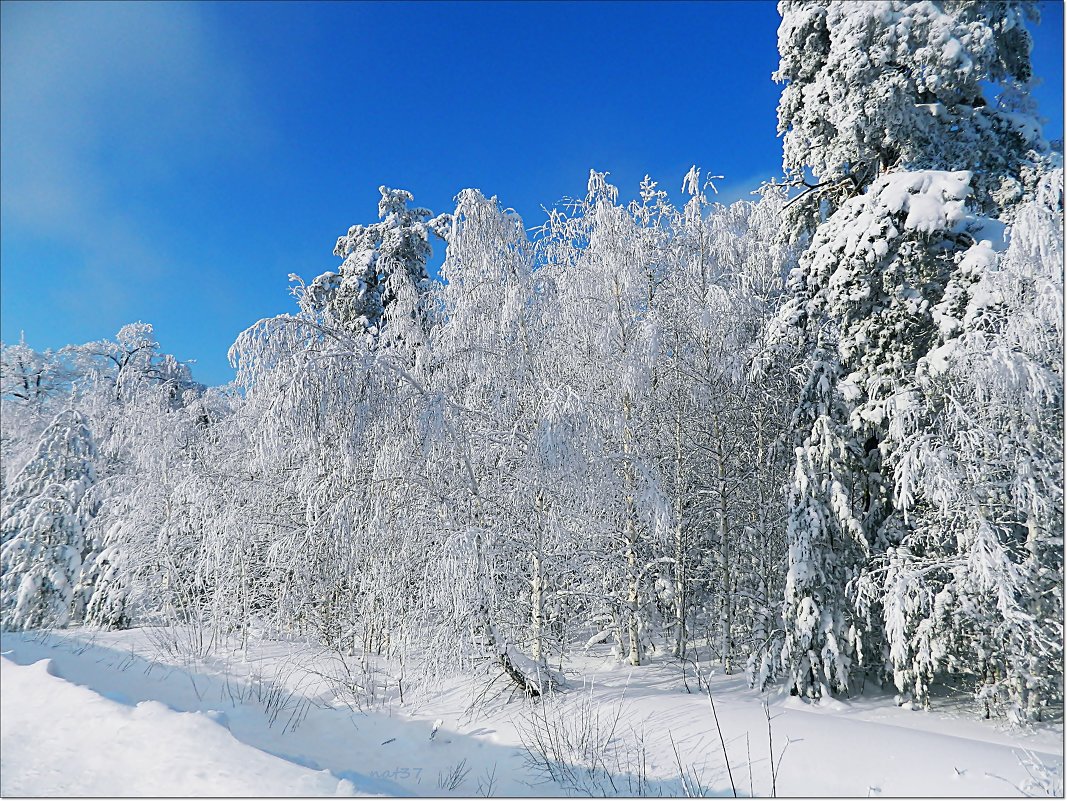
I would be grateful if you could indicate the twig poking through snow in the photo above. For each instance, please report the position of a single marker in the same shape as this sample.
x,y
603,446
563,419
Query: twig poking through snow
x,y
722,739
770,750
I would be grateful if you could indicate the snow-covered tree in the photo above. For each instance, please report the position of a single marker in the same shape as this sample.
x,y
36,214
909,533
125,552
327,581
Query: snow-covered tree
x,y
877,87
29,377
382,282
137,401
333,425
32,383
978,475
884,106
717,427
123,367
133,564
870,280
604,274
42,528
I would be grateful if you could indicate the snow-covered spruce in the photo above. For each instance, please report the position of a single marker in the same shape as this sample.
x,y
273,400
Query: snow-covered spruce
x,y
917,189
42,531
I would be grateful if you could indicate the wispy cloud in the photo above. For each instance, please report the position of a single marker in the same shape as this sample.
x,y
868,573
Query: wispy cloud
x,y
105,105
732,189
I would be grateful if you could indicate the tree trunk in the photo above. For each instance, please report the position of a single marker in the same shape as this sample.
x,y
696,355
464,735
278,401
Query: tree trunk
x,y
724,551
679,544
537,583
530,686
536,614
630,536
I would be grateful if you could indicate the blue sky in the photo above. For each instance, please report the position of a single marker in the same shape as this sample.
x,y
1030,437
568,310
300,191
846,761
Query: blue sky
x,y
173,163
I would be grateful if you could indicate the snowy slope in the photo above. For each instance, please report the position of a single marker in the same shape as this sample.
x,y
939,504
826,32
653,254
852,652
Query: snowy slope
x,y
110,714
61,739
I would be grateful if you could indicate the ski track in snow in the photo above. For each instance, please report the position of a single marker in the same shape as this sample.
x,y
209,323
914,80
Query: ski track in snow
x,y
99,714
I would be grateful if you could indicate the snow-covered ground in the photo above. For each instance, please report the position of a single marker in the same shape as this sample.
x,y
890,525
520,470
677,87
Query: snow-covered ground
x,y
101,714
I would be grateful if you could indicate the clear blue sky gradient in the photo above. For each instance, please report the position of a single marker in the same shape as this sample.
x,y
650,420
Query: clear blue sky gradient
x,y
173,163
